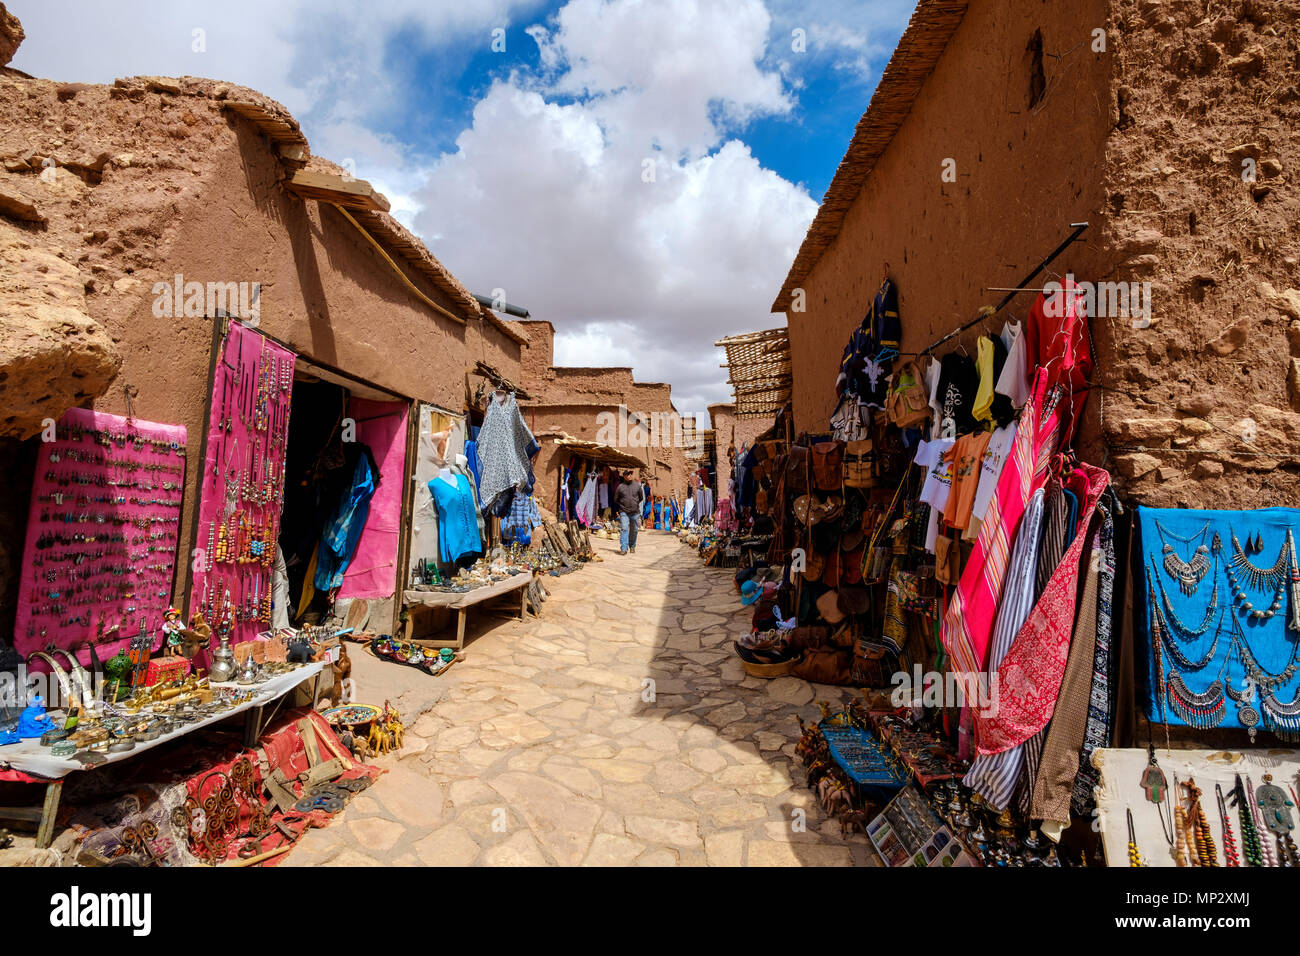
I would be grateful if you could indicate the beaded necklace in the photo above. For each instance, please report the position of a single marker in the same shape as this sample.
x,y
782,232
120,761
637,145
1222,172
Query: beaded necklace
x,y
1188,574
1229,843
1134,857
1200,826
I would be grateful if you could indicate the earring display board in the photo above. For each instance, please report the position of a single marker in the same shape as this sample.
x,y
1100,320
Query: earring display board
x,y
1219,599
1126,773
101,535
243,484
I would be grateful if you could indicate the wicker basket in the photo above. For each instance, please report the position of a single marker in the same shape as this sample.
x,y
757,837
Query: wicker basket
x,y
769,671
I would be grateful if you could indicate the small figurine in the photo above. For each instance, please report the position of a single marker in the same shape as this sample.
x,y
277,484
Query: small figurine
x,y
173,632
341,692
196,637
34,722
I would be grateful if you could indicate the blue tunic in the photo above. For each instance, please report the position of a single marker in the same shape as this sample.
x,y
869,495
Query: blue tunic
x,y
457,523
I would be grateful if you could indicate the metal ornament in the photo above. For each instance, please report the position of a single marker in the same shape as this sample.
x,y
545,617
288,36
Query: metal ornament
x,y
1276,808
1247,714
1154,783
1188,574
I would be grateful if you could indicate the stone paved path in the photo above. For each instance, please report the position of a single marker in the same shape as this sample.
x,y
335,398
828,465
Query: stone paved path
x,y
542,750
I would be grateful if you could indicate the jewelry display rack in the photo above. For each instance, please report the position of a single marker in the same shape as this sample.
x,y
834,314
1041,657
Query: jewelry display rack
x,y
101,535
242,484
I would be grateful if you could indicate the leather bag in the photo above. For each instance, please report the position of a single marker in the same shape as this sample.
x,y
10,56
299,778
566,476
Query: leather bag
x,y
825,667
909,405
796,470
827,465
947,560
859,464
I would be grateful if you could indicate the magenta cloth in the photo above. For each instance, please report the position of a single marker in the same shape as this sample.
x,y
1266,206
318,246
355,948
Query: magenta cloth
x,y
237,453
38,624
373,571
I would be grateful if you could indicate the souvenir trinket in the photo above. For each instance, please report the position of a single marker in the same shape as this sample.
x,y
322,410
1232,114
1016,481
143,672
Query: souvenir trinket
x,y
1188,574
1276,807
1134,857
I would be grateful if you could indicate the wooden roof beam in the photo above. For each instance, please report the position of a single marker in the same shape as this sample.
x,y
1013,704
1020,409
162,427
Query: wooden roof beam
x,y
326,187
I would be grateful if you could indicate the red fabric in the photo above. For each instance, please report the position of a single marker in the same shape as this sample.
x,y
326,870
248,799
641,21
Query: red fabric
x,y
285,750
17,776
1057,339
1029,678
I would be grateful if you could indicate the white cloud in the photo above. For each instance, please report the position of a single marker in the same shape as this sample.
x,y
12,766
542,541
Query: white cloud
x,y
852,37
544,196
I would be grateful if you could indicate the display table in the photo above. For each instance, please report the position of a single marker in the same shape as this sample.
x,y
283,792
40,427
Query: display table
x,y
29,762
461,602
1121,790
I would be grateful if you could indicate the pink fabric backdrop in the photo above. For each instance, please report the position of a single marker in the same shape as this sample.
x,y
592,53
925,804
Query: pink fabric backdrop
x,y
34,589
373,571
232,450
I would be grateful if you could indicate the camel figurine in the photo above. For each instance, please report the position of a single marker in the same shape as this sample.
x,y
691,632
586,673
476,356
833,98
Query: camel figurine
x,y
393,725
379,741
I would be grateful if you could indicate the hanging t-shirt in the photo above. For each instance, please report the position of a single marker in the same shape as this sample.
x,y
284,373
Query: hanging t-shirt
x,y
932,374
957,384
1013,382
930,455
991,358
965,455
995,456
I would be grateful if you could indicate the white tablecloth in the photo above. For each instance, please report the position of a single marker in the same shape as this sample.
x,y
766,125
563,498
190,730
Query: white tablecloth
x,y
30,757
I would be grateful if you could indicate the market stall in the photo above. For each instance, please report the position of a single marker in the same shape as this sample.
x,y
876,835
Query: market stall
x,y
945,547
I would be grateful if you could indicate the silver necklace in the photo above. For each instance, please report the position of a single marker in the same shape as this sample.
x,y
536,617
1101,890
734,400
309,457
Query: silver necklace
x,y
1185,632
1188,574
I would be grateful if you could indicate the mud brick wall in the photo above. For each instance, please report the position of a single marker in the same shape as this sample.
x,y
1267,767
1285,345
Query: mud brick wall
x,y
1201,201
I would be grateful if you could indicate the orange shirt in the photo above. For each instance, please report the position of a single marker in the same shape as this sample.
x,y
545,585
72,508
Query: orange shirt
x,y
966,454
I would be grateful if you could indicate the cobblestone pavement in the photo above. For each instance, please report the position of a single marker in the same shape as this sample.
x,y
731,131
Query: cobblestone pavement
x,y
542,749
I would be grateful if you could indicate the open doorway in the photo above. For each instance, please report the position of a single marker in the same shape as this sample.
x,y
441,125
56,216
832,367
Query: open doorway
x,y
330,478
344,497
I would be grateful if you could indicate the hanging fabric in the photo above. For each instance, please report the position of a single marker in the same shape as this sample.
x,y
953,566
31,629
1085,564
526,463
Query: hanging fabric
x,y
1029,679
502,446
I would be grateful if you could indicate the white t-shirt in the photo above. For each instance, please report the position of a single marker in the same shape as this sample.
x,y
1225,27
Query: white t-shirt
x,y
995,457
1013,382
938,477
932,385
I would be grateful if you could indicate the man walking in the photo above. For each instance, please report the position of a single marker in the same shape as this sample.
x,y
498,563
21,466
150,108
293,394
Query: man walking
x,y
628,499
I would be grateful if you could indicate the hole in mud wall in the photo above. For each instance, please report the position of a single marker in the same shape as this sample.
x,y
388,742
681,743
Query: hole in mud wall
x,y
1037,78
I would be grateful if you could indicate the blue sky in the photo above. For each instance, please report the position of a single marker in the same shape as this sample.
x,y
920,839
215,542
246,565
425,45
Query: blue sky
x,y
526,169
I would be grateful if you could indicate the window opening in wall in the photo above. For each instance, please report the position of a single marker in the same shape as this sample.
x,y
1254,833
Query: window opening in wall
x,y
1037,78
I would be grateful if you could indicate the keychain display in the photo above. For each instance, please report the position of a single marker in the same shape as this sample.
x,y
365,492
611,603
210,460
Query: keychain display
x,y
102,534
243,482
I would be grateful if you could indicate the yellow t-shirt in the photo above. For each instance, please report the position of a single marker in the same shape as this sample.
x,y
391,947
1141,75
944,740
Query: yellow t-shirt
x,y
983,407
